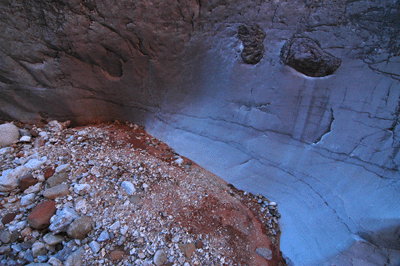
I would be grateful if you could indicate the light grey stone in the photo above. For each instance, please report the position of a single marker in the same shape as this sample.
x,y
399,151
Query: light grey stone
x,y
25,139
5,236
75,259
160,257
57,179
104,236
56,191
79,228
38,248
63,168
28,199
264,252
128,187
95,246
35,164
52,239
8,134
62,219
55,262
9,178
81,189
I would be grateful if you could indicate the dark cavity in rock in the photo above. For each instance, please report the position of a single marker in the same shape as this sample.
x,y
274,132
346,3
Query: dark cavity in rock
x,y
252,37
306,56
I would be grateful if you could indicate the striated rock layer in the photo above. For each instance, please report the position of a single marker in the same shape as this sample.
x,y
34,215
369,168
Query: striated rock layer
x,y
326,148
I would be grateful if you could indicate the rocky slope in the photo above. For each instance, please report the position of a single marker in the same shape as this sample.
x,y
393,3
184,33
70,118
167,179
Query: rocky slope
x,y
111,194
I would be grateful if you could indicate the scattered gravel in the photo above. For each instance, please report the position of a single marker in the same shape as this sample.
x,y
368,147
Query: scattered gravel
x,y
117,196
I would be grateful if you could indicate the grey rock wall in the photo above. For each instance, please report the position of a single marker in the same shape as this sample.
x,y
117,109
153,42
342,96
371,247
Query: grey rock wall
x,y
326,149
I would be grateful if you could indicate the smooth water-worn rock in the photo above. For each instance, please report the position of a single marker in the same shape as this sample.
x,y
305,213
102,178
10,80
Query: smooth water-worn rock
x,y
324,148
8,134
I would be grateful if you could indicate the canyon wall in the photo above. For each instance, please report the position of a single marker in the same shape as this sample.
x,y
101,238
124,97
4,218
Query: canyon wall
x,y
210,79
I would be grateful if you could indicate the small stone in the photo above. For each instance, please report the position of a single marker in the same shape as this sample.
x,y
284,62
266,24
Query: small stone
x,y
80,205
62,219
38,264
27,199
25,139
35,164
38,248
104,236
264,252
94,246
55,262
57,179
75,259
8,218
42,258
9,178
116,255
18,226
63,168
40,216
141,255
33,189
124,229
79,228
129,187
56,191
52,239
5,236
187,249
95,171
81,189
49,172
5,249
199,244
8,134
115,226
160,257
26,181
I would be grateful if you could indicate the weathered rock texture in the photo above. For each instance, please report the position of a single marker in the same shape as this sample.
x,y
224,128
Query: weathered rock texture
x,y
306,56
326,149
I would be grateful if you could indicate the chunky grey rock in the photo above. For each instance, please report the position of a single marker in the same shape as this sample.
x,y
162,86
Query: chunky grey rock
x,y
94,246
57,179
306,56
75,259
63,218
28,199
35,164
52,239
128,187
9,178
264,252
5,236
79,228
160,257
38,248
104,236
56,191
8,134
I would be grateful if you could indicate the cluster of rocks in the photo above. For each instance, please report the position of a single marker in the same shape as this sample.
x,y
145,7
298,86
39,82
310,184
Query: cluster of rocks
x,y
89,196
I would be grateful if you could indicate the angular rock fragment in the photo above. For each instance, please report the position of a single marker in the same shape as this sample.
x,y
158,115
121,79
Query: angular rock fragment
x,y
27,181
306,56
79,228
252,37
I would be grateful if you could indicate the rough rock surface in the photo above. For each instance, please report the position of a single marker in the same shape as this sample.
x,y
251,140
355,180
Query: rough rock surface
x,y
306,56
326,149
175,214
252,37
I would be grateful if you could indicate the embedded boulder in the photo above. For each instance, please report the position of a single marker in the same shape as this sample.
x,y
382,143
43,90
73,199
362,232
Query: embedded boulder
x,y
252,37
306,56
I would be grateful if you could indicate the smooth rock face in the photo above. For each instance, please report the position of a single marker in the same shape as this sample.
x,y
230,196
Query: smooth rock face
x,y
8,134
306,56
325,149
